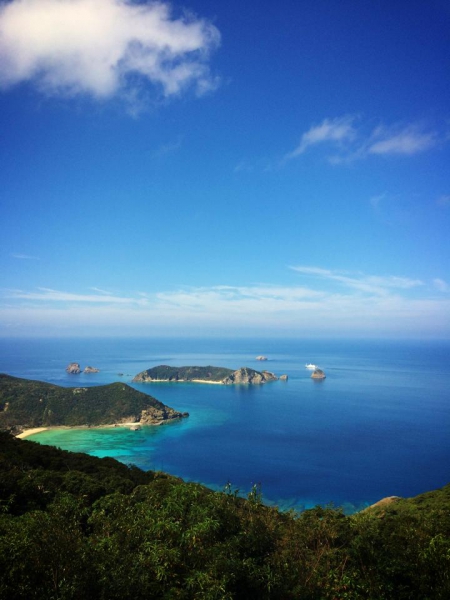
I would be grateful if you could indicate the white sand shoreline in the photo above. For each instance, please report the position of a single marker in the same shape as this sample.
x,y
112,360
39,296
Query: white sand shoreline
x,y
27,432
35,430
181,381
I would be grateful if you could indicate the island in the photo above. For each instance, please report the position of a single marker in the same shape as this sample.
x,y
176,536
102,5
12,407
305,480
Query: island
x,y
220,375
26,404
74,368
318,374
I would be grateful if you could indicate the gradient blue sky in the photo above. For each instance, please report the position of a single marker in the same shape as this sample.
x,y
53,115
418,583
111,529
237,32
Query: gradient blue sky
x,y
225,168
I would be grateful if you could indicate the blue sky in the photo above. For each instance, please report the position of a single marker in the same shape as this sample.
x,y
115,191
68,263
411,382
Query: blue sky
x,y
225,168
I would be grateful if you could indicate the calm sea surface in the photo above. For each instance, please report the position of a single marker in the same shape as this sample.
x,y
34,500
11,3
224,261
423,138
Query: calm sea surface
x,y
379,425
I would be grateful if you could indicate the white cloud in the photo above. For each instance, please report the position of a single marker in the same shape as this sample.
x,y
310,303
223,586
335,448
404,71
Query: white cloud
x,y
349,142
441,285
335,131
96,47
375,201
49,295
169,148
358,304
96,289
371,284
25,256
409,140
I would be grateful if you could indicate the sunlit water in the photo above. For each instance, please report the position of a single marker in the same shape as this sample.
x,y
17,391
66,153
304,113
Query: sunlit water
x,y
377,426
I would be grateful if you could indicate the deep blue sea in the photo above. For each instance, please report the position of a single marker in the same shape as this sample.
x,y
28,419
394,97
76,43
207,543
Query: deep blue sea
x,y
378,425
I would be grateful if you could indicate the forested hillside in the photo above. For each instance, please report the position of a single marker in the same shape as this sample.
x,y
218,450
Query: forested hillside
x,y
74,526
27,404
166,373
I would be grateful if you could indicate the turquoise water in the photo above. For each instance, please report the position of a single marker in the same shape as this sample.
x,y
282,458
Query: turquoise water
x,y
378,425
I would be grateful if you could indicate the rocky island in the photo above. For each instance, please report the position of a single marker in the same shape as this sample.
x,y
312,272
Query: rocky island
x,y
318,374
208,374
246,375
26,404
75,369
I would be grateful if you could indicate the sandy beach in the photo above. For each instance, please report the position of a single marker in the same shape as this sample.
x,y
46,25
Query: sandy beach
x,y
28,432
182,381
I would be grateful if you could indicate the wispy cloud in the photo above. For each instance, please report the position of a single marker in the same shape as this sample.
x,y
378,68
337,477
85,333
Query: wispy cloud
x,y
346,139
168,148
376,201
441,285
371,284
408,140
24,256
244,166
96,289
444,200
332,131
49,295
326,301
98,47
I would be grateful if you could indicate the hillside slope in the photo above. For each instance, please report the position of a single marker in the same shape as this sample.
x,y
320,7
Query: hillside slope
x,y
27,404
74,526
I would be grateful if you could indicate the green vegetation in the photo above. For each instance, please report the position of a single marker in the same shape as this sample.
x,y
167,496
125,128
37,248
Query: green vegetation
x,y
77,527
165,373
28,404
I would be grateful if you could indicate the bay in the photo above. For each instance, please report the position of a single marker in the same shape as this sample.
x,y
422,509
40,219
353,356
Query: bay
x,y
378,425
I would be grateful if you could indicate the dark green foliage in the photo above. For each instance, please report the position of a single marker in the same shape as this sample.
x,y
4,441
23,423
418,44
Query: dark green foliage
x,y
74,526
27,404
32,475
165,373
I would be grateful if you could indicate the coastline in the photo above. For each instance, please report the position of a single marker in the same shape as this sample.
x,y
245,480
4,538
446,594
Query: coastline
x,y
27,432
180,381
36,430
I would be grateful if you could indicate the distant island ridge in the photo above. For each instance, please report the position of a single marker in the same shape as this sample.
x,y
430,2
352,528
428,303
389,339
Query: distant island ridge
x,y
209,374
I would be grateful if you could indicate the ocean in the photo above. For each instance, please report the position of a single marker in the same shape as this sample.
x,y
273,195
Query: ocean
x,y
377,426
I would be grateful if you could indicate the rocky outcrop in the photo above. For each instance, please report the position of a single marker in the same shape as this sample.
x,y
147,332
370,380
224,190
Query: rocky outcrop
x,y
154,415
318,374
283,378
246,375
380,508
74,369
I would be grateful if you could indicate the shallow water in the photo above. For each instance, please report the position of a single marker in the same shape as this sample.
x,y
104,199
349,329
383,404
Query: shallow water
x,y
377,426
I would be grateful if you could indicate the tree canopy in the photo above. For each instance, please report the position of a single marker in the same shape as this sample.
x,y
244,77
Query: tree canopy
x,y
75,526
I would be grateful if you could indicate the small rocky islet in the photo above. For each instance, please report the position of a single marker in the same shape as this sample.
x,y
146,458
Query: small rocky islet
x,y
318,374
74,368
